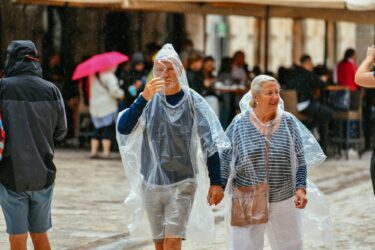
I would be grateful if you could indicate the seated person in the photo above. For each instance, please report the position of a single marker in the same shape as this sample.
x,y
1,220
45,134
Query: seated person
x,y
305,82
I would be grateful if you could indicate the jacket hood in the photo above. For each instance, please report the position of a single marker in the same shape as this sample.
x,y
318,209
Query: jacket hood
x,y
22,59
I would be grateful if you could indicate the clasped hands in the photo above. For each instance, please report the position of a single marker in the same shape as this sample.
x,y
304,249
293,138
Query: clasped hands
x,y
215,195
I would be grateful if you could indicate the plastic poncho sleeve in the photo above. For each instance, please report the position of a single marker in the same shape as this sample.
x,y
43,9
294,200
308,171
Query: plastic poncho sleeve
x,y
301,174
61,124
226,156
212,136
129,118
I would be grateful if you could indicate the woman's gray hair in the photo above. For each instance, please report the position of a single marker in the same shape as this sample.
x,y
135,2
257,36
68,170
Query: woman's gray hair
x,y
257,84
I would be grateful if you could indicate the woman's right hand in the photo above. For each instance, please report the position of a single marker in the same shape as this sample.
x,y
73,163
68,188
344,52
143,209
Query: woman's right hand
x,y
152,87
300,199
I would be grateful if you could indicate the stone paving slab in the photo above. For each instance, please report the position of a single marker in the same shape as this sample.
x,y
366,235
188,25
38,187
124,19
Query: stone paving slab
x,y
88,210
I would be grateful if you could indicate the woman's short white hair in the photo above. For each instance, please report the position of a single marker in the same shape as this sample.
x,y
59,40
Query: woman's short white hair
x,y
257,84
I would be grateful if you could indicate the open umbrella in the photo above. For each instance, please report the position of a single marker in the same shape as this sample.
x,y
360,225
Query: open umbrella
x,y
98,63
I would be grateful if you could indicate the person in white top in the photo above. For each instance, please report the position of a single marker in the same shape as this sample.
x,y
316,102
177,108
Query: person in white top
x,y
104,95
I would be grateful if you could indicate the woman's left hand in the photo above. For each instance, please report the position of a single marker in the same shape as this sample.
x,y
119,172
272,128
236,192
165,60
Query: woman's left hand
x,y
301,199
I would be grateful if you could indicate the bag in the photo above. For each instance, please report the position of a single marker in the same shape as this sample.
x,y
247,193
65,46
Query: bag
x,y
250,205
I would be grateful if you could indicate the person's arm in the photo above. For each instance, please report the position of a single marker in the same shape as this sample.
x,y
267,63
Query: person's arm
x,y
213,162
61,125
215,193
130,117
301,175
364,77
226,156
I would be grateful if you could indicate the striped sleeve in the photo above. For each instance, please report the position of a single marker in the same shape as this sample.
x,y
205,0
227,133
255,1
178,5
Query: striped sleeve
x,y
301,161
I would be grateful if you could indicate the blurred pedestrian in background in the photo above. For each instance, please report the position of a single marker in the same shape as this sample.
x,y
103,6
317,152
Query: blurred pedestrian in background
x,y
105,93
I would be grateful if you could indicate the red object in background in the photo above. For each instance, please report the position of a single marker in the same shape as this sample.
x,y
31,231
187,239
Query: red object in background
x,y
98,63
346,74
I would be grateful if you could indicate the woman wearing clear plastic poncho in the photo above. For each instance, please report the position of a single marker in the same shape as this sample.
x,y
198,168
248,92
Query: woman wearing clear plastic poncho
x,y
170,141
265,175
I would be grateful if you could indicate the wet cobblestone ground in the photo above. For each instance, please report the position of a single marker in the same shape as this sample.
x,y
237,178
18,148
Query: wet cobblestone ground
x,y
88,205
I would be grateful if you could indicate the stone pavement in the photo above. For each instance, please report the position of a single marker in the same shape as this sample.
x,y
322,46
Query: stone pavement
x,y
88,210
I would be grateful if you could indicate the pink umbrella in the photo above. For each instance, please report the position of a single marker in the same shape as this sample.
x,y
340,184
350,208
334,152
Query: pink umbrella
x,y
98,63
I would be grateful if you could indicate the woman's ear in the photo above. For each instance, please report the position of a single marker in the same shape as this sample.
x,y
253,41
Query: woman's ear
x,y
256,99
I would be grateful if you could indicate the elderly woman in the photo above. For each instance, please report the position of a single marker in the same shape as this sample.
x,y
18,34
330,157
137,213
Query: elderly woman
x,y
265,171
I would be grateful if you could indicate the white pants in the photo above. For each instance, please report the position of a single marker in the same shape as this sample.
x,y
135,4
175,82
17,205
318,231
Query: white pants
x,y
284,230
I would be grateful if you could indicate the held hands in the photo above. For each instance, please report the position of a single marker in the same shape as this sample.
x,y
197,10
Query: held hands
x,y
215,195
152,87
301,199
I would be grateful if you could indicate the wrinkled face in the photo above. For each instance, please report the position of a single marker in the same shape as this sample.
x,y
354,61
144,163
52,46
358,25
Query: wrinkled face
x,y
268,98
165,70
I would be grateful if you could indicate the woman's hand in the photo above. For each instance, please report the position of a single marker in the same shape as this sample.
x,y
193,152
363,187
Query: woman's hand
x,y
152,87
301,199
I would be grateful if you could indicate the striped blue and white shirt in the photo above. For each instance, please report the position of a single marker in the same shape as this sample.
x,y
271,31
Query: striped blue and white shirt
x,y
248,152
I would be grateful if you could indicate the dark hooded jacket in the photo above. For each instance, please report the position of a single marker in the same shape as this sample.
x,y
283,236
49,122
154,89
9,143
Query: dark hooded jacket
x,y
33,116
303,81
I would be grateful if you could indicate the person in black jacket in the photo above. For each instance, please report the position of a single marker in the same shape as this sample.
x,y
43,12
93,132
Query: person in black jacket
x,y
305,82
33,116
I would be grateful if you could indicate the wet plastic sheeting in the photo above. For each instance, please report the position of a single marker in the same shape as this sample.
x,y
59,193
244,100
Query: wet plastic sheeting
x,y
299,148
165,161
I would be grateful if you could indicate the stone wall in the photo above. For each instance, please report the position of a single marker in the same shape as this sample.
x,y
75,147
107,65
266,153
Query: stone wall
x,y
365,38
16,20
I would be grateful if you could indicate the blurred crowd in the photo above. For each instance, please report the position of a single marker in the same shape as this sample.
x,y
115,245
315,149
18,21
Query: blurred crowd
x,y
320,91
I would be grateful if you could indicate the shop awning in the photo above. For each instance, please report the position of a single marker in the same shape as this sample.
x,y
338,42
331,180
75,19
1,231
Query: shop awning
x,y
75,3
358,11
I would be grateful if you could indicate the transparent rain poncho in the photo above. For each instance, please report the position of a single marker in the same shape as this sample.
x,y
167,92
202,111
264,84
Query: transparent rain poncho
x,y
286,146
165,161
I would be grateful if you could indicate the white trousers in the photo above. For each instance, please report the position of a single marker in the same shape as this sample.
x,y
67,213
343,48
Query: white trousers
x,y
284,230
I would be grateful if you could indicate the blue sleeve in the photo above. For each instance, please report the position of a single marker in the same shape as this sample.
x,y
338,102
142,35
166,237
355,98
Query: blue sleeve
x,y
301,174
130,117
373,72
213,164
